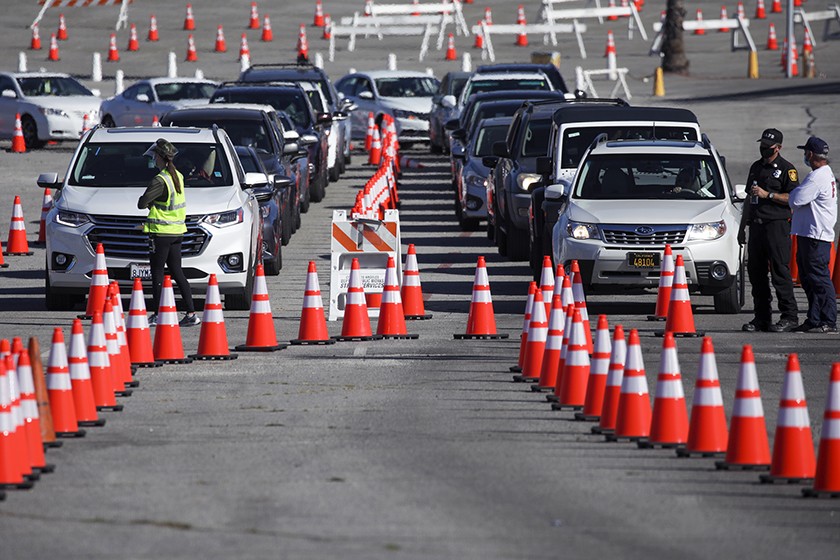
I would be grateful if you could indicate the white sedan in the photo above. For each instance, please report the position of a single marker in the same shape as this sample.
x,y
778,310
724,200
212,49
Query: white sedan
x,y
139,104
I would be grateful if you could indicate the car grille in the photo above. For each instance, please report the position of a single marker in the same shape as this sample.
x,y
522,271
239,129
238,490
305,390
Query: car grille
x,y
123,237
629,235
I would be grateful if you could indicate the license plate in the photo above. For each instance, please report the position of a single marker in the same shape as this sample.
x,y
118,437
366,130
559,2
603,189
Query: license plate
x,y
643,260
141,271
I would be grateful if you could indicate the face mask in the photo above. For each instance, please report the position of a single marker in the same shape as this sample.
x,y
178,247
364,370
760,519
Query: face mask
x,y
807,161
767,152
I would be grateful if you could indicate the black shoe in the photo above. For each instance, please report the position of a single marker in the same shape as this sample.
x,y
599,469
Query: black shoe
x,y
784,325
190,320
152,320
754,326
804,327
822,329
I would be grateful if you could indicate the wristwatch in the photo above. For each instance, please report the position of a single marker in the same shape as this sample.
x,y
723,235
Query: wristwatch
x,y
770,196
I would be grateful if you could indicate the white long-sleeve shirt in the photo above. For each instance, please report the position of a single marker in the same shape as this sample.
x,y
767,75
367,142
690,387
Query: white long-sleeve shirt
x,y
814,205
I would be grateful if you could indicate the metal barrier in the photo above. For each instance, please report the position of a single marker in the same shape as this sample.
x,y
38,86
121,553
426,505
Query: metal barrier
x,y
801,17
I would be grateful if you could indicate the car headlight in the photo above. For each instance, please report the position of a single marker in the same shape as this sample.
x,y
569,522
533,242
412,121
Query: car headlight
x,y
578,230
476,181
53,112
399,113
527,180
72,219
225,219
706,232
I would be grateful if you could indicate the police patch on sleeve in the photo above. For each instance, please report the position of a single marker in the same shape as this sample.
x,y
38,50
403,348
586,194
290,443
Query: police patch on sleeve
x,y
792,174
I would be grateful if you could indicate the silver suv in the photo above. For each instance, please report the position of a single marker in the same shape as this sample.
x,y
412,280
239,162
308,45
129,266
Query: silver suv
x,y
629,198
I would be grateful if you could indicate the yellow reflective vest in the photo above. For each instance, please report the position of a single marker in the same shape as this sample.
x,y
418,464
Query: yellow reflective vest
x,y
168,217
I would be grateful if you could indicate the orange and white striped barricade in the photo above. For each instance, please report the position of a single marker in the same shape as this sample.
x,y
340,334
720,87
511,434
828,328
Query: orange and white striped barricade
x,y
371,241
122,18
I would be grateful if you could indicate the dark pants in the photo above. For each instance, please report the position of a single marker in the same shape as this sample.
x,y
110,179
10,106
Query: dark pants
x,y
769,248
166,250
812,257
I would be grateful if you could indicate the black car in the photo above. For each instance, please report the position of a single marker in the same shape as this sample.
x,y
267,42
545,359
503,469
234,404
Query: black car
x,y
291,99
550,70
451,84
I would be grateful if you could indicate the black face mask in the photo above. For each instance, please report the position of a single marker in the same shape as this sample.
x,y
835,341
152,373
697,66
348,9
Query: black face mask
x,y
767,151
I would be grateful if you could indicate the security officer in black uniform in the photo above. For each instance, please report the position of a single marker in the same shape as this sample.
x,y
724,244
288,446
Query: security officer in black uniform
x,y
767,214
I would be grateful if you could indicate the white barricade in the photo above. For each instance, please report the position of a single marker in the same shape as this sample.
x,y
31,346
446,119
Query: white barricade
x,y
617,75
548,30
448,8
371,242
551,15
801,17
122,18
398,25
740,29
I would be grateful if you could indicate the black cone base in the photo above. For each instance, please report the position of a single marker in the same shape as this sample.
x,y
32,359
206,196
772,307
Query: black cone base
x,y
77,434
92,423
115,408
770,479
302,342
481,336
724,466
148,364
425,317
246,348
221,357
400,336
357,338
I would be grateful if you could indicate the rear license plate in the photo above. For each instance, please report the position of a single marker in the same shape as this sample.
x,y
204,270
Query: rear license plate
x,y
643,260
141,271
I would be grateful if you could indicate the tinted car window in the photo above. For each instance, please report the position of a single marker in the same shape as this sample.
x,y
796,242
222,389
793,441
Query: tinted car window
x,y
535,142
292,103
51,85
176,91
487,136
406,87
249,163
576,140
252,134
481,86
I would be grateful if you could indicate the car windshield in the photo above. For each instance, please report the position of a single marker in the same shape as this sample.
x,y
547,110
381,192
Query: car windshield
x,y
292,103
576,140
251,134
535,143
249,163
648,177
123,164
481,86
406,87
316,101
177,91
37,86
487,136
456,86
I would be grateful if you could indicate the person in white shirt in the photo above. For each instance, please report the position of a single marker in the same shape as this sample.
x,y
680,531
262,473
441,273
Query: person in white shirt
x,y
814,206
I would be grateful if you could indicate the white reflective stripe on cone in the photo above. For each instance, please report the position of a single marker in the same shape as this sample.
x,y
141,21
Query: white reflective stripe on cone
x,y
137,321
679,294
313,302
260,306
212,316
669,389
29,407
634,384
59,382
748,407
537,334
831,429
481,296
707,396
577,358
794,417
167,318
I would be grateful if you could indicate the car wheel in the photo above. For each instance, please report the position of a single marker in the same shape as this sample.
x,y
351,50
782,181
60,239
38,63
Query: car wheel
x,y
307,197
58,302
501,237
318,188
536,257
335,173
286,228
108,121
435,148
297,217
275,264
517,243
342,163
30,133
727,301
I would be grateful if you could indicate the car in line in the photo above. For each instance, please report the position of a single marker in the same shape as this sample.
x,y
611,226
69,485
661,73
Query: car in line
x,y
96,202
504,81
405,95
52,107
551,71
444,111
140,103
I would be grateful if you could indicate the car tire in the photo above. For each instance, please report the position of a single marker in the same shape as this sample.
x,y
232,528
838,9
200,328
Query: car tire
x,y
435,148
536,257
59,302
274,265
108,122
500,237
728,302
335,173
517,243
342,164
318,189
30,133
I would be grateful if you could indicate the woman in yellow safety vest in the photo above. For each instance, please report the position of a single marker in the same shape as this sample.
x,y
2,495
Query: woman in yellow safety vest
x,y
166,226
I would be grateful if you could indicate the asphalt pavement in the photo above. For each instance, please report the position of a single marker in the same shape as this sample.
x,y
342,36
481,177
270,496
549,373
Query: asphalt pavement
x,y
418,448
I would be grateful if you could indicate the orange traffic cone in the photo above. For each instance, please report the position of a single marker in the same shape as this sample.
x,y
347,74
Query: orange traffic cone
x,y
61,34
669,423
17,244
46,204
807,44
776,7
212,341
521,38
53,52
580,304
451,54
3,264
523,336
133,42
481,322
13,388
707,432
633,415
371,125
415,3
488,16
699,18
327,27
244,51
723,16
576,368
267,35
760,12
313,324
772,41
319,14
391,314
113,53
356,323
680,320
553,347
375,155
85,405
137,330
18,142
192,55
569,312
221,44
794,66
119,321
35,43
613,17
747,447
827,477
547,283
479,37
99,365
666,283
168,347
31,418
535,342
793,447
98,284
302,44
262,336
189,20
153,29
254,22
115,357
13,462
60,389
610,49
85,124
598,372
41,394
411,292
741,13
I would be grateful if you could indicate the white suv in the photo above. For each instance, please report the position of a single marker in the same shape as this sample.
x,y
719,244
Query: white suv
x,y
629,198
97,203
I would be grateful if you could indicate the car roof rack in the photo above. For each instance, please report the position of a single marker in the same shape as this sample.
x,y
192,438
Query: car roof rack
x,y
258,84
301,64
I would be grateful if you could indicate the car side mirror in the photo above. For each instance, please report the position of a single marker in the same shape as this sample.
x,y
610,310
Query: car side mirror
x,y
500,149
282,182
557,191
290,148
323,118
255,180
142,98
366,95
307,139
489,161
459,134
263,193
740,192
457,151
543,166
453,124
48,180
449,101
340,116
9,94
348,105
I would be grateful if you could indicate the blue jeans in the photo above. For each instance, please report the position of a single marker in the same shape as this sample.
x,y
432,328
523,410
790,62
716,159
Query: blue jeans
x,y
812,257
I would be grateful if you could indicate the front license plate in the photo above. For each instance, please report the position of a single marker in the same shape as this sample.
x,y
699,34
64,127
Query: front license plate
x,y
643,260
141,271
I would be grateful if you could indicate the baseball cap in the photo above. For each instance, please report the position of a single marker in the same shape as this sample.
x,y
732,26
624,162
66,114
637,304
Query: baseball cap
x,y
163,148
771,136
815,145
